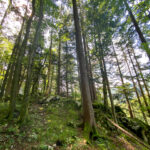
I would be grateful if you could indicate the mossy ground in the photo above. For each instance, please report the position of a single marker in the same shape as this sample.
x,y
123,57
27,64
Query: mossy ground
x,y
54,126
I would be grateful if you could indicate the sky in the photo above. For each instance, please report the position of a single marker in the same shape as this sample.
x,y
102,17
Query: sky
x,y
12,23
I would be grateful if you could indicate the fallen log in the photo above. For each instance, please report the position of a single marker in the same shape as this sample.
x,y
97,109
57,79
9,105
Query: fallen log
x,y
128,134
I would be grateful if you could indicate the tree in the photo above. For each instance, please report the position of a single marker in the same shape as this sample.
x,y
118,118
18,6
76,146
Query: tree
x,y
141,36
49,65
134,85
6,12
33,49
123,84
15,82
88,113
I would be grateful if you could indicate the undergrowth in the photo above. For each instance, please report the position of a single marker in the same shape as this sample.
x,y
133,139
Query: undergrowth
x,y
56,125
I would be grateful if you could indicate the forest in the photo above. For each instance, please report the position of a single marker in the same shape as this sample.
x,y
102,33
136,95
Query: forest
x,y
74,74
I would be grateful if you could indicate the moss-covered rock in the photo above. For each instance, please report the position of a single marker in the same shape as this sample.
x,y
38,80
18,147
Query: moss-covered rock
x,y
134,125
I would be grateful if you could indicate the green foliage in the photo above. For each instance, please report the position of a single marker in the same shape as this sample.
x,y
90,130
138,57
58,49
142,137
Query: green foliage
x,y
5,52
3,110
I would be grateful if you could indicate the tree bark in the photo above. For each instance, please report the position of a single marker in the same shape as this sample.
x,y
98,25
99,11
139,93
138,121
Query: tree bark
x,y
134,85
13,59
59,67
109,91
141,74
91,77
66,73
15,82
49,66
25,104
8,76
88,113
51,82
122,80
141,89
88,65
104,80
104,85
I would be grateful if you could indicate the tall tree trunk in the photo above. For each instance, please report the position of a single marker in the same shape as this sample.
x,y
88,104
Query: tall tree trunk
x,y
88,113
49,66
15,82
36,76
6,12
88,65
5,81
104,85
141,36
104,80
141,74
35,84
140,86
123,84
87,57
52,76
134,85
109,90
59,67
66,73
25,104
9,73
91,77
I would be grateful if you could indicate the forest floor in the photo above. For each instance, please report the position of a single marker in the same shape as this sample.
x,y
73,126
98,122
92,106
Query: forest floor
x,y
56,126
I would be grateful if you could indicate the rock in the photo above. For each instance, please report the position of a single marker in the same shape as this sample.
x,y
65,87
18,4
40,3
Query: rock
x,y
138,127
50,99
134,125
50,147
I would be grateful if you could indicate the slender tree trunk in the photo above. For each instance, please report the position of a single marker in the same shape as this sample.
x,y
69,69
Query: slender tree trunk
x,y
8,76
141,36
5,81
104,80
59,67
91,82
134,85
109,91
25,104
49,66
35,82
141,89
87,57
88,113
122,80
91,77
44,86
87,66
36,76
22,77
6,12
15,82
52,76
141,74
104,85
66,74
